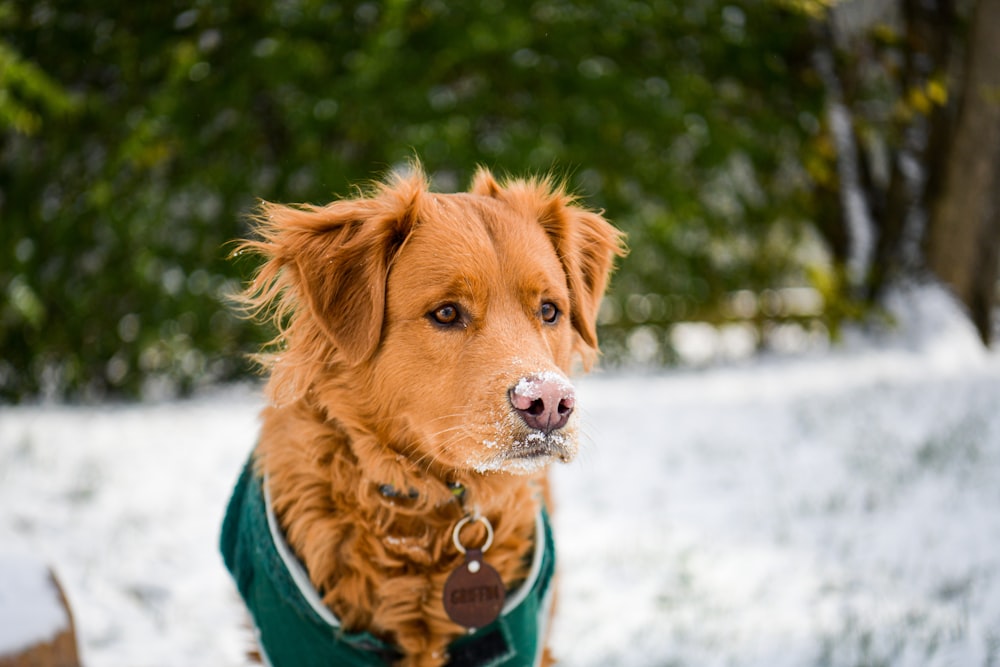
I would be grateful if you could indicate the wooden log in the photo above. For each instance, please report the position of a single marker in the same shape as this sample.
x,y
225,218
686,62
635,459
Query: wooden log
x,y
36,624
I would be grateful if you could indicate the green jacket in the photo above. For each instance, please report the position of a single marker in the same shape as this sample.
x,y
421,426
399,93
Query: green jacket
x,y
295,629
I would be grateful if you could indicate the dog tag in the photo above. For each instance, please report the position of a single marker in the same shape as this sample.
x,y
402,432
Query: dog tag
x,y
474,592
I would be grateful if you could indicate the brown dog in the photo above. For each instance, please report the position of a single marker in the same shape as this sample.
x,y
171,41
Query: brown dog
x,y
419,378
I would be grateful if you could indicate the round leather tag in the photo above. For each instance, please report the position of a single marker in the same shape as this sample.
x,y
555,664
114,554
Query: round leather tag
x,y
474,592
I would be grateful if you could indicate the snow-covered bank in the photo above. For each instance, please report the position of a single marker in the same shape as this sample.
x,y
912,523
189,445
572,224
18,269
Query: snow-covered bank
x,y
839,509
125,503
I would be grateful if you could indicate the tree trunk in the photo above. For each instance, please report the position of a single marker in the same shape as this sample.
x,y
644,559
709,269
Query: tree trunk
x,y
963,243
929,34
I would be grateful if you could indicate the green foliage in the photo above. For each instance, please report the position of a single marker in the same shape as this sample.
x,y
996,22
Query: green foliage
x,y
23,88
134,139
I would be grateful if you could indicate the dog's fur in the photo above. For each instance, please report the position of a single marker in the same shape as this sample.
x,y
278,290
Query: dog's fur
x,y
367,389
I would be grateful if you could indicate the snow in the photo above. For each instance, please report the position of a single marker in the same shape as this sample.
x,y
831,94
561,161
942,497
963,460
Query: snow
x,y
532,387
30,609
125,503
831,508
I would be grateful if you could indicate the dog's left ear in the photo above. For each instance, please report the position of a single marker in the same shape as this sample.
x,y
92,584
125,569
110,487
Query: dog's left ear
x,y
587,245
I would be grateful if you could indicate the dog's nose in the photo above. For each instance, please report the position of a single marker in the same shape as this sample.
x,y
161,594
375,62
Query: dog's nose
x,y
544,402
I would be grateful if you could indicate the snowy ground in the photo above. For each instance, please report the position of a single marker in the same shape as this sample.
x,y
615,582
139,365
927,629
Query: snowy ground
x,y
840,509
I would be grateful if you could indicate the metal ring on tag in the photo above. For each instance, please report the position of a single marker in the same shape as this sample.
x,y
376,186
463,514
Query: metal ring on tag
x,y
461,524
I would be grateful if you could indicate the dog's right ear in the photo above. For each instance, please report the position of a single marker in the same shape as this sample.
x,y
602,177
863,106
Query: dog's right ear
x,y
326,266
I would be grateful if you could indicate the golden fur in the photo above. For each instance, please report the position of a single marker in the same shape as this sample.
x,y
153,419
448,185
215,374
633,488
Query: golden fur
x,y
367,389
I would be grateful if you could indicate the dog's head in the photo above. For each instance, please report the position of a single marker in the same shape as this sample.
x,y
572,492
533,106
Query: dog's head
x,y
442,326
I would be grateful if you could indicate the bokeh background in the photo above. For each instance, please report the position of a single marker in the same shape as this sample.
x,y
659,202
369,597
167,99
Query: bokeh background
x,y
776,163
811,191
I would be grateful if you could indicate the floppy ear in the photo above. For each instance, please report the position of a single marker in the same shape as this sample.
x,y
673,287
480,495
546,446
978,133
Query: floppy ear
x,y
587,245
342,277
327,266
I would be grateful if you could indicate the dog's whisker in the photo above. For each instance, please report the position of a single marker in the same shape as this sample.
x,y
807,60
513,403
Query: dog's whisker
x,y
428,459
392,419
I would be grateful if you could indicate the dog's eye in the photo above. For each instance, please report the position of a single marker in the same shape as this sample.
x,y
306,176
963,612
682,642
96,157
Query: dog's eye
x,y
446,315
549,312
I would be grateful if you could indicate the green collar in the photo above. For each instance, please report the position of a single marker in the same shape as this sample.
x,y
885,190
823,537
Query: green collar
x,y
296,628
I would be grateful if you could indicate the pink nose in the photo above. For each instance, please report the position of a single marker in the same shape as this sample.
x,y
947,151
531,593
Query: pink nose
x,y
544,402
